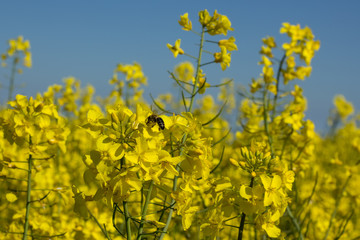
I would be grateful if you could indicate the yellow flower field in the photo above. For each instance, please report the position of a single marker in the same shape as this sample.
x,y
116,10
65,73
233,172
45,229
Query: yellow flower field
x,y
73,166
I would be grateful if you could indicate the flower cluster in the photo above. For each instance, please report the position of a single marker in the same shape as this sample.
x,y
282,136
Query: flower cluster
x,y
75,168
17,46
212,25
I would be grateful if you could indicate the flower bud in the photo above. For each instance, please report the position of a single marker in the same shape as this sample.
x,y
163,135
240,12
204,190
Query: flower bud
x,y
39,107
242,164
52,141
115,118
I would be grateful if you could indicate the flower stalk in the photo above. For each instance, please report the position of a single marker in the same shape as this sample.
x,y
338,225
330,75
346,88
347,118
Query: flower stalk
x,y
189,108
243,216
127,220
28,193
12,78
144,210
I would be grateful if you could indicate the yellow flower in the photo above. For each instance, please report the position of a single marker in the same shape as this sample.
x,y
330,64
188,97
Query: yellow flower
x,y
294,120
265,61
302,72
273,193
308,51
204,17
11,197
124,183
253,195
176,48
142,154
269,226
19,45
214,223
255,85
202,84
269,41
272,88
288,179
343,107
229,44
268,73
290,62
184,71
302,42
185,22
266,51
184,208
223,57
27,59
219,24
168,162
216,24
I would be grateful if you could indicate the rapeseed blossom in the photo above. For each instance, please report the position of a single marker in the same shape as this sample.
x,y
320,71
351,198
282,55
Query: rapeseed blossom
x,y
80,169
176,50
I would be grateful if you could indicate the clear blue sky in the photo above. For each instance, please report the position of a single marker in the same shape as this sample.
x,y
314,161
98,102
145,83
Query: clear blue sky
x,y
86,39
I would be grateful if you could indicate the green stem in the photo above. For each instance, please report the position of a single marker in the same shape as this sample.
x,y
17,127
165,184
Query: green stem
x,y
168,220
198,64
103,230
190,56
144,210
28,194
127,220
336,207
243,216
277,86
127,95
295,222
12,78
207,63
293,219
266,124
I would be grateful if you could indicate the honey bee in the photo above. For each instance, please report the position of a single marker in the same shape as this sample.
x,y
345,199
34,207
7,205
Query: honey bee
x,y
155,119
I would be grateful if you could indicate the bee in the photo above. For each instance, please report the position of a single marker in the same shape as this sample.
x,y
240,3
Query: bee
x,y
155,119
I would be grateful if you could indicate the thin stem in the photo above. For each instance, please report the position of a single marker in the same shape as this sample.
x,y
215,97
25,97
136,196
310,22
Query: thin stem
x,y
204,64
127,95
116,208
336,207
190,56
103,230
28,194
197,68
164,231
168,220
185,136
210,41
127,220
195,32
277,86
144,210
266,124
243,216
12,77
295,222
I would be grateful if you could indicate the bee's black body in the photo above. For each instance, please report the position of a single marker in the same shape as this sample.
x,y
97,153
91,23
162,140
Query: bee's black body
x,y
160,122
155,119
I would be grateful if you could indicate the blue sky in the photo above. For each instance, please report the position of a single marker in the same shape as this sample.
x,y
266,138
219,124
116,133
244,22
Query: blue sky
x,y
86,39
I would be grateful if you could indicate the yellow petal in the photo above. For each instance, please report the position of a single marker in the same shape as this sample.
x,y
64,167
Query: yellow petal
x,y
271,230
266,180
11,197
245,192
276,182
